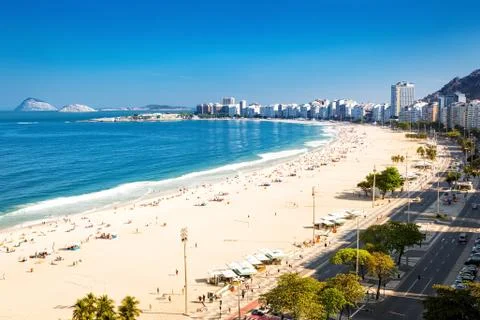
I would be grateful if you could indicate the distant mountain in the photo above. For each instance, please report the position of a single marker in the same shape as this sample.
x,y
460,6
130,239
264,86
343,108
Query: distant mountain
x,y
469,85
32,104
76,108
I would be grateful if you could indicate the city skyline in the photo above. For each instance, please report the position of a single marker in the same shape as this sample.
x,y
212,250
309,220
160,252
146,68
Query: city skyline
x,y
114,55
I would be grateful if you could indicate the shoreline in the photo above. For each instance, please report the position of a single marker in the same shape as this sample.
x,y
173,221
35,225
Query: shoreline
x,y
242,214
207,175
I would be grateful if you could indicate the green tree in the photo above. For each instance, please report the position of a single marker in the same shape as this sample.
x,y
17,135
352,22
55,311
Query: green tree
x,y
376,238
421,151
449,303
85,308
381,266
349,285
105,308
402,235
365,186
389,180
431,153
403,125
81,311
348,256
333,301
297,296
452,176
453,134
129,310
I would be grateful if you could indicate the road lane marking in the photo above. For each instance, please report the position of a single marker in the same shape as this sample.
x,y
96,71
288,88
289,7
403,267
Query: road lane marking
x,y
426,285
410,288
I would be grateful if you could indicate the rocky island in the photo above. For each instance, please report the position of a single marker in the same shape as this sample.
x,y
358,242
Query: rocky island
x,y
33,104
77,108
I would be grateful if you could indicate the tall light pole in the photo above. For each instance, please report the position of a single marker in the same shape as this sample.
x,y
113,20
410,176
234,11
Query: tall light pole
x,y
358,247
373,189
238,297
184,237
408,186
313,216
438,177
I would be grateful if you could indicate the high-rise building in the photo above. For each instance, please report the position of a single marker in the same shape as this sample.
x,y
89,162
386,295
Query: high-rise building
x,y
228,100
402,95
243,106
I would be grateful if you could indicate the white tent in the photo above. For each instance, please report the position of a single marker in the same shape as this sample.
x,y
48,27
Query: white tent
x,y
242,268
253,260
354,213
273,254
278,254
262,257
337,215
325,222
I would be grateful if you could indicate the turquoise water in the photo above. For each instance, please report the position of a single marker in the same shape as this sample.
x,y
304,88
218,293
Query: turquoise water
x,y
51,164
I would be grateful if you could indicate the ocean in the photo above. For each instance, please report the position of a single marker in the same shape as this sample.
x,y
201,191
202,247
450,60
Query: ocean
x,y
51,164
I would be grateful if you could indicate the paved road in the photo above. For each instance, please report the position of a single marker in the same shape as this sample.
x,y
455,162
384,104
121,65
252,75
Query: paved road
x,y
433,268
326,270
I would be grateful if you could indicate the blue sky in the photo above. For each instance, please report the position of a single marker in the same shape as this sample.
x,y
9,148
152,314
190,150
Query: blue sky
x,y
118,53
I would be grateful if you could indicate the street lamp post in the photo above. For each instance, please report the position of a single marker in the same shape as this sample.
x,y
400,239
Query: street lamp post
x,y
238,297
373,189
438,179
358,247
184,237
313,216
408,187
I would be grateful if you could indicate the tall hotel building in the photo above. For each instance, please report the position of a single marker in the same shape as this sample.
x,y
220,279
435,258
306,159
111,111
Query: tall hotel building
x,y
403,94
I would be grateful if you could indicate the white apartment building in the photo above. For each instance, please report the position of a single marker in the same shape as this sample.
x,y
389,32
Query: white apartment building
x,y
269,111
358,112
412,113
243,105
402,95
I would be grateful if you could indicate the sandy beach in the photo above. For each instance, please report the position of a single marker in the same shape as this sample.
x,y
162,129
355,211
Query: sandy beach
x,y
265,208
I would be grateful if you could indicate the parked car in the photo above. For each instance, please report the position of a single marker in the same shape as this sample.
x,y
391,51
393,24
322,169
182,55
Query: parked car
x,y
474,206
462,238
475,260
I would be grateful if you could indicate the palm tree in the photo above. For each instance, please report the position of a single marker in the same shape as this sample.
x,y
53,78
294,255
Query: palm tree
x,y
129,310
105,308
84,309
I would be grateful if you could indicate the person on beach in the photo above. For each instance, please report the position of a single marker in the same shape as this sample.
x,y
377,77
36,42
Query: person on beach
x,y
176,272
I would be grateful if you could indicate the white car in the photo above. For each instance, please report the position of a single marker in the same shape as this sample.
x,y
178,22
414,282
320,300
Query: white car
x,y
416,199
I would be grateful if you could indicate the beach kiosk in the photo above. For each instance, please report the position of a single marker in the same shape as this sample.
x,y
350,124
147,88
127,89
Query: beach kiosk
x,y
242,268
275,255
255,262
218,276
263,258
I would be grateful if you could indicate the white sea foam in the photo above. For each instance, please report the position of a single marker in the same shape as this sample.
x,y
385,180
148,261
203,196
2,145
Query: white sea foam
x,y
316,143
27,122
133,190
